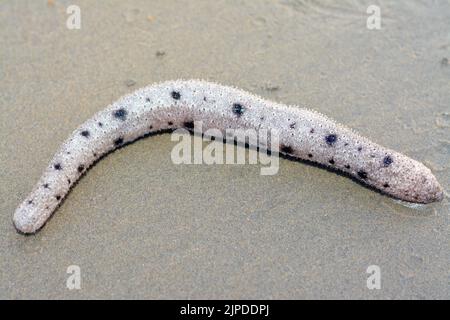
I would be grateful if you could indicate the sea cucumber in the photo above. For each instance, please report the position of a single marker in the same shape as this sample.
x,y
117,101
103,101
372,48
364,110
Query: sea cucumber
x,y
303,134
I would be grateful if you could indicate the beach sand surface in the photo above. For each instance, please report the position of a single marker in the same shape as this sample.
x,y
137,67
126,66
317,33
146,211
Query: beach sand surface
x,y
139,226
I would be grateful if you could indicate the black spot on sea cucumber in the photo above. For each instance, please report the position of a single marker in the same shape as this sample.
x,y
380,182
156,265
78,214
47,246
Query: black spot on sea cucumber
x,y
310,155
362,174
57,166
189,124
45,185
94,154
387,161
58,197
151,127
286,149
386,185
347,166
292,125
85,133
118,141
331,161
331,139
80,168
100,124
204,99
30,201
68,181
147,99
120,114
176,95
312,130
359,149
170,123
238,109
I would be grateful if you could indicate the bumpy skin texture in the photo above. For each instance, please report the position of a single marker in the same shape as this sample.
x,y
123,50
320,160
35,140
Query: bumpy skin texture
x,y
303,134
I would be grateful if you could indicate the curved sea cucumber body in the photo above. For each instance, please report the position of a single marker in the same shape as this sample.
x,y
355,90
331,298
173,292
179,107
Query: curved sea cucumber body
x,y
303,134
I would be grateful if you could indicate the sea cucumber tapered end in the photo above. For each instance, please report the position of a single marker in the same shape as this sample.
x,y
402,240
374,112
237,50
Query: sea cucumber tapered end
x,y
431,190
31,215
412,181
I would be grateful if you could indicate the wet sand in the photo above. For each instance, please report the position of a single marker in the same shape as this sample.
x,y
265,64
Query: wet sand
x,y
139,226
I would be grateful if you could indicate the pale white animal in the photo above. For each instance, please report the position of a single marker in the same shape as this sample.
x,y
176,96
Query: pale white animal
x,y
303,134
